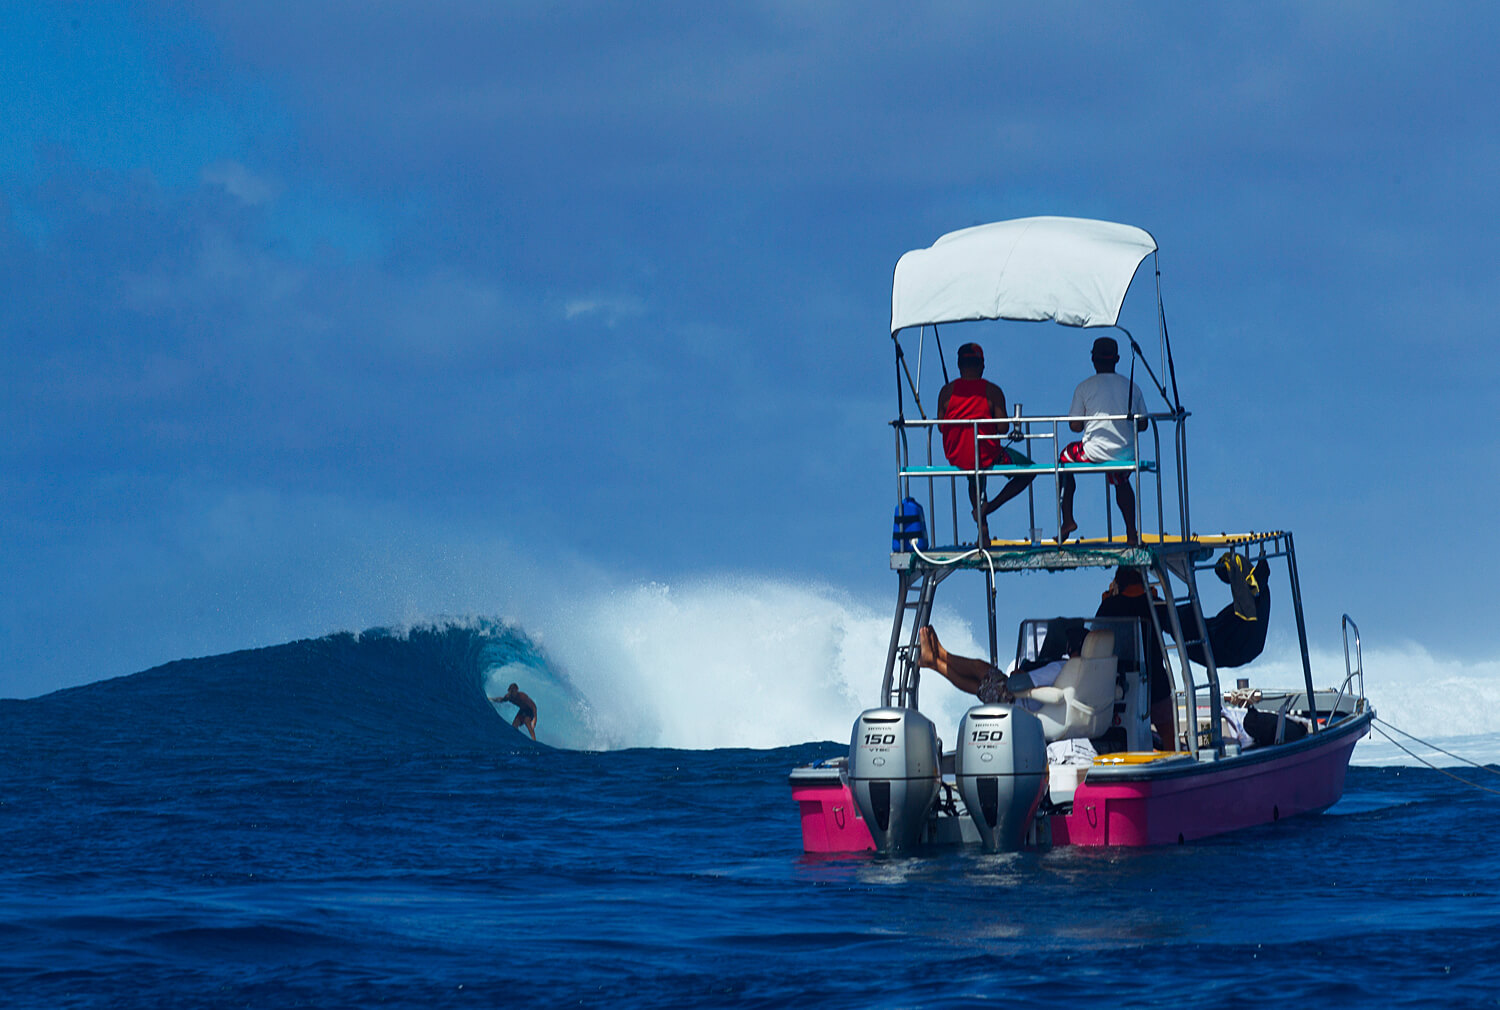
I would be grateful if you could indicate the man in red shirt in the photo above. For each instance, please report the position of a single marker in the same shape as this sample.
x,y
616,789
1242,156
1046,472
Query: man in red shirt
x,y
968,397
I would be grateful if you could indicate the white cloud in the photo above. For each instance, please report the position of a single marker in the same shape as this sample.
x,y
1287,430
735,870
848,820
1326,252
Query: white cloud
x,y
241,183
611,308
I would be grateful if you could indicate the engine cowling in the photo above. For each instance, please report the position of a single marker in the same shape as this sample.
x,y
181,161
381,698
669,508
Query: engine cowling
x,y
1000,768
894,773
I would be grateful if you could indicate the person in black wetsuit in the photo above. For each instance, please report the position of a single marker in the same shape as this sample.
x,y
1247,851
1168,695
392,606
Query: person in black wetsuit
x,y
527,708
1238,632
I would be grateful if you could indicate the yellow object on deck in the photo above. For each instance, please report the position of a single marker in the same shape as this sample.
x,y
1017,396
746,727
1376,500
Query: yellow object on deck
x,y
1137,757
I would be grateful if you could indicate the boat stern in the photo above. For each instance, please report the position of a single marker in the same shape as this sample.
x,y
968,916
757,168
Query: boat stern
x,y
831,821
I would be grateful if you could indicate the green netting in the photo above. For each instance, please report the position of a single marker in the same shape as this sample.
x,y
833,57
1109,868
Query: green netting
x,y
1043,557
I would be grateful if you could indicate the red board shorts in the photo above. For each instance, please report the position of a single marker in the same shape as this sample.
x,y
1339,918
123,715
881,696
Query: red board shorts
x,y
1074,454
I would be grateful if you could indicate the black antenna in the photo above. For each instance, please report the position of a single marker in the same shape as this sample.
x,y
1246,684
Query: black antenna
x,y
1166,341
901,369
900,394
1136,352
941,360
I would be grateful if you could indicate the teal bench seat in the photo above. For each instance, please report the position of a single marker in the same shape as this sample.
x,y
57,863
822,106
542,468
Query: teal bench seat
x,y
1145,465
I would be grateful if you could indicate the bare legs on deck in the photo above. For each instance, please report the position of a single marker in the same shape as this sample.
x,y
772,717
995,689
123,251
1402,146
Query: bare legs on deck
x,y
1124,498
1012,487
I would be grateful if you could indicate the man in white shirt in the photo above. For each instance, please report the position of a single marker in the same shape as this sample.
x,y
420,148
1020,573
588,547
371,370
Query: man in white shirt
x,y
1105,392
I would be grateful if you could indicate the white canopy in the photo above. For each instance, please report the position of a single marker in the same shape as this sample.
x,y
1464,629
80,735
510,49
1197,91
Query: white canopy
x,y
1035,268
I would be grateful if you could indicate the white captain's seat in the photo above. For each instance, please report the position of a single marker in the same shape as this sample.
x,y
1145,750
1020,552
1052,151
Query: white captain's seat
x,y
1081,702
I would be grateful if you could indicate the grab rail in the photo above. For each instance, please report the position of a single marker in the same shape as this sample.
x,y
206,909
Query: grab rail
x,y
1350,672
1019,431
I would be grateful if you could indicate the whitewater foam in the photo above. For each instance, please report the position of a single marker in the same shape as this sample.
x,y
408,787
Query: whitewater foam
x,y
739,661
735,662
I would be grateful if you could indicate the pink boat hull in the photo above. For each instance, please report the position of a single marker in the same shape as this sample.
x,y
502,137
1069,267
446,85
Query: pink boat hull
x,y
1146,806
831,820
1209,799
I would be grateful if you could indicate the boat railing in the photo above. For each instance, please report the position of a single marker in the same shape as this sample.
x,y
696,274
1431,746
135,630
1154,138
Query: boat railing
x,y
1357,670
922,470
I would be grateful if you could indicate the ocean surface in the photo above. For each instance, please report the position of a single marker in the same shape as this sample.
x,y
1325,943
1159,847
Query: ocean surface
x,y
348,822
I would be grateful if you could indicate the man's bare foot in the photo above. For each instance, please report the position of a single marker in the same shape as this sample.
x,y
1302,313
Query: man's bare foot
x,y
1067,529
933,652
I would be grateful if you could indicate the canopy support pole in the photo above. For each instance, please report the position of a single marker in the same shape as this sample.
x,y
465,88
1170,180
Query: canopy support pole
x,y
1291,565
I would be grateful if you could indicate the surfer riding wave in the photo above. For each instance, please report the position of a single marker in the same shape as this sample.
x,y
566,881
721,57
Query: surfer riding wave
x,y
526,708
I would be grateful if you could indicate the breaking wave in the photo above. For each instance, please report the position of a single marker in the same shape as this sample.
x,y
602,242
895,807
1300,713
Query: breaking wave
x,y
748,663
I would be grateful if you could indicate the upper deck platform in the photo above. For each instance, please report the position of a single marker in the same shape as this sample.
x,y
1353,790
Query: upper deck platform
x,y
1020,479
1099,552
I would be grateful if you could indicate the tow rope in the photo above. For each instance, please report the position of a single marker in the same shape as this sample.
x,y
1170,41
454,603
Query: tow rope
x,y
1429,764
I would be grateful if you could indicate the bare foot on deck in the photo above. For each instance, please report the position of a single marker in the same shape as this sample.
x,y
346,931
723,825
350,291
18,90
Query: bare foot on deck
x,y
1066,531
983,526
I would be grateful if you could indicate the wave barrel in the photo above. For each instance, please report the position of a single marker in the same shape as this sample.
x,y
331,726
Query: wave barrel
x,y
894,773
1001,772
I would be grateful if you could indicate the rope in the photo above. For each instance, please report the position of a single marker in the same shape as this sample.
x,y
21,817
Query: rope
x,y
932,560
1099,555
1429,764
1424,743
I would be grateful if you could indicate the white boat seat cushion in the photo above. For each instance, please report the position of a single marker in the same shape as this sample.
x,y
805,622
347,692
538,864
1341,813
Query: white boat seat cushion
x,y
1080,704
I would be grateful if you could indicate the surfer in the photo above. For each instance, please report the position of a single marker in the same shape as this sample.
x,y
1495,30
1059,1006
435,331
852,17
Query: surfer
x,y
526,714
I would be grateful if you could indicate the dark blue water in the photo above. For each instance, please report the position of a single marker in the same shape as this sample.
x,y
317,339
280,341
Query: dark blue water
x,y
347,822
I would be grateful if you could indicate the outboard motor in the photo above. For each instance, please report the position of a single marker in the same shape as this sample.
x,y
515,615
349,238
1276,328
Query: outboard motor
x,y
1001,771
894,774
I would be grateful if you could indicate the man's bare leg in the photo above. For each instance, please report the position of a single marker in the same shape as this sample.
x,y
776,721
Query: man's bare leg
x,y
521,720
980,511
1069,485
964,672
1125,498
1012,487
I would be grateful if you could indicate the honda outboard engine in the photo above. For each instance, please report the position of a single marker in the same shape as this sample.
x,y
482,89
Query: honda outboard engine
x,y
1001,771
894,774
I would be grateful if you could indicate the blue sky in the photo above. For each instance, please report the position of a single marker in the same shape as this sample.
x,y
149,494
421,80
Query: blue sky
x,y
347,314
